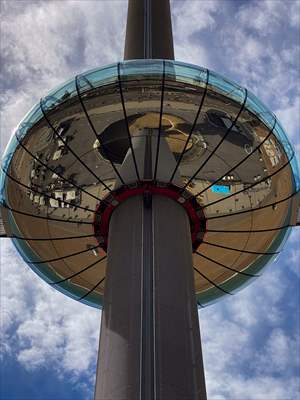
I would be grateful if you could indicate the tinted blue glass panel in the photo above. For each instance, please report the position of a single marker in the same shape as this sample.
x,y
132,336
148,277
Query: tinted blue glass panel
x,y
99,77
220,189
226,87
34,115
295,168
60,94
140,68
186,73
258,108
2,186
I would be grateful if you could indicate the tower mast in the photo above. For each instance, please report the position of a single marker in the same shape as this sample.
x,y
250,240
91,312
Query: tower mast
x,y
149,30
150,346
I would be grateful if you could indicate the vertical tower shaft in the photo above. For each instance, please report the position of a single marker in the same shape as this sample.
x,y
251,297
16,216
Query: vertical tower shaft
x,y
150,346
149,30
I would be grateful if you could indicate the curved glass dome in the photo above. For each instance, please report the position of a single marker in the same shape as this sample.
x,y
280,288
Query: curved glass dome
x,y
230,154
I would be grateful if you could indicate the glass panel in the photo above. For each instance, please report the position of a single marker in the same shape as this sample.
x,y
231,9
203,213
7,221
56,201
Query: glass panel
x,y
9,152
60,95
186,73
226,87
98,77
283,138
210,134
295,168
2,185
258,108
142,94
140,69
104,110
239,159
74,145
34,115
179,124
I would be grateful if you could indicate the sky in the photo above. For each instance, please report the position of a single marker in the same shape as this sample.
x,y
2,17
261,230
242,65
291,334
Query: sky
x,y
251,344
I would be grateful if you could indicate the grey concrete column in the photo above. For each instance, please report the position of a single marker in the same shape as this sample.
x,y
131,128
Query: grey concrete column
x,y
149,30
150,345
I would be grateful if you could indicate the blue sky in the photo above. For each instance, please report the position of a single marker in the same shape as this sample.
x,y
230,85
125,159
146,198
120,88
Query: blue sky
x,y
250,341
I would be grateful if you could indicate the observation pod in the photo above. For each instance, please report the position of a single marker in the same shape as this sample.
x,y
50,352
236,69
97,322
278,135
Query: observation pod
x,y
215,149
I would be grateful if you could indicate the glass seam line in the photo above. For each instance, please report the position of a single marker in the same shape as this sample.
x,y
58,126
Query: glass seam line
x,y
160,120
90,291
254,209
48,239
240,250
63,257
126,122
58,174
219,144
79,272
214,284
250,186
44,194
70,149
192,128
253,230
225,266
240,162
94,130
47,218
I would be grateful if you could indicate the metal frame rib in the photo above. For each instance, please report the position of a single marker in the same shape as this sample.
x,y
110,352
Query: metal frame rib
x,y
225,266
93,288
250,186
192,128
58,174
212,282
79,272
240,250
126,123
70,149
49,238
160,120
252,230
46,195
219,144
63,257
47,218
254,209
240,162
98,137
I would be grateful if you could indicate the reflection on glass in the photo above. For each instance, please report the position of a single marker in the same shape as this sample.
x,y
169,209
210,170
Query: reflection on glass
x,y
239,169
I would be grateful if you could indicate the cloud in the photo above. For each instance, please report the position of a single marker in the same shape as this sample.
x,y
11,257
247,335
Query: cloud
x,y
250,347
188,47
64,39
265,17
41,327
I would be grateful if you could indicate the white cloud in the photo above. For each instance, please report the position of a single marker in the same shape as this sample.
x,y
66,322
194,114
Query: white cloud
x,y
41,327
249,353
266,16
277,355
187,46
66,38
45,329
